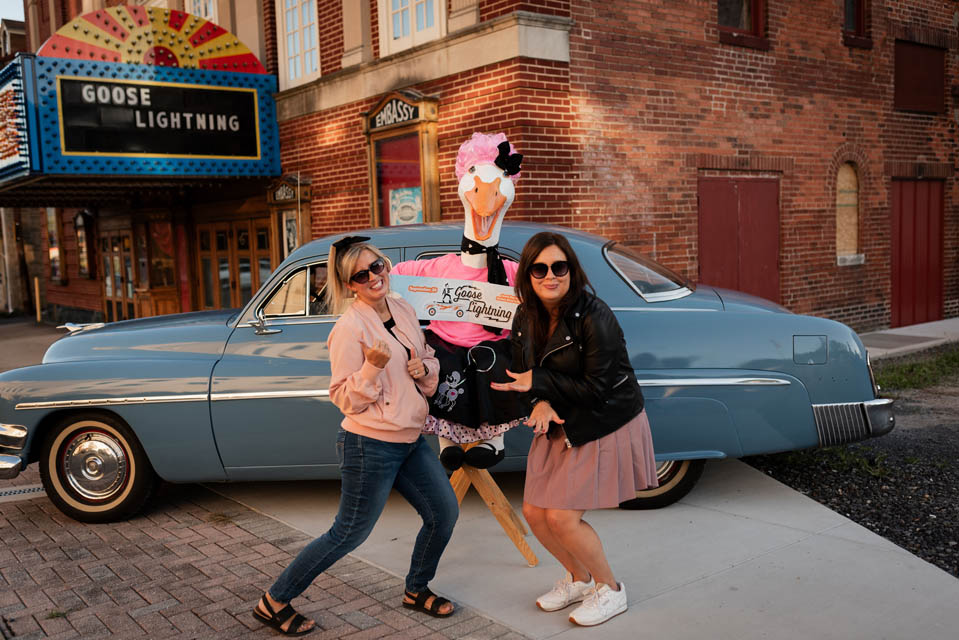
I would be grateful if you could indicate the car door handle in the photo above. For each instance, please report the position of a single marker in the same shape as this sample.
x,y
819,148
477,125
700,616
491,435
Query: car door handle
x,y
261,329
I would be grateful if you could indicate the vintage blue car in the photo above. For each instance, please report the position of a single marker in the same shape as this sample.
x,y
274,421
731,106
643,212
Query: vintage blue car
x,y
228,396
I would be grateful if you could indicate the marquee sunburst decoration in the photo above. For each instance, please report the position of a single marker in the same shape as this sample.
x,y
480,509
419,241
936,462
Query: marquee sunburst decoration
x,y
160,37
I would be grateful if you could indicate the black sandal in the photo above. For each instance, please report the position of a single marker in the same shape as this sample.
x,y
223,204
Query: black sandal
x,y
419,603
278,618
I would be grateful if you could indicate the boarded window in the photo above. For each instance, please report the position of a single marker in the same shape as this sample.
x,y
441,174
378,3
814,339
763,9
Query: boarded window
x,y
847,211
920,78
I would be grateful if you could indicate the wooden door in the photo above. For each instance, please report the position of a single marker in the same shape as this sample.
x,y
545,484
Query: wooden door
x,y
234,259
739,234
116,255
917,246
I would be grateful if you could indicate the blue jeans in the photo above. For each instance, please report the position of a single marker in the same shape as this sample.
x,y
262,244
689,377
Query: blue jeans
x,y
370,468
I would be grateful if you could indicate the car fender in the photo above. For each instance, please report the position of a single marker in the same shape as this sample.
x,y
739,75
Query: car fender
x,y
165,402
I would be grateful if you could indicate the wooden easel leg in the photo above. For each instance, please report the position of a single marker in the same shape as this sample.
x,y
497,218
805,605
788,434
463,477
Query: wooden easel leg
x,y
499,506
461,484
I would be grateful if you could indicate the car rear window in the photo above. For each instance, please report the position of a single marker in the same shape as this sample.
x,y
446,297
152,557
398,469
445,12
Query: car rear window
x,y
646,275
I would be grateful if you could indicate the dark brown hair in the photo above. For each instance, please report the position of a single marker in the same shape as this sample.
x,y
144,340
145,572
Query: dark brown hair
x,y
535,312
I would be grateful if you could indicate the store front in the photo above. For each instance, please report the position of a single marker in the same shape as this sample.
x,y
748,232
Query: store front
x,y
150,136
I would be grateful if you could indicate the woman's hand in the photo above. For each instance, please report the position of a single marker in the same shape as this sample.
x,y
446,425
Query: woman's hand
x,y
377,355
540,417
416,368
521,382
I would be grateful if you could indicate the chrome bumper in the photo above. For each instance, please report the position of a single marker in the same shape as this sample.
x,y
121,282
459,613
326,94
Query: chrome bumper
x,y
13,437
853,421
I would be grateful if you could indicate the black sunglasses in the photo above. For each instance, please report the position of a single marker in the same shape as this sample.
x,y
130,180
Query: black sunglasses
x,y
539,269
362,277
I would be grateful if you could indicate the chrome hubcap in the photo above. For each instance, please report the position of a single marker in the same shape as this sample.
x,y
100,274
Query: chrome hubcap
x,y
666,469
95,465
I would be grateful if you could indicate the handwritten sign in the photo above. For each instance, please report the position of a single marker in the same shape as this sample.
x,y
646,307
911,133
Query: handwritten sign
x,y
458,300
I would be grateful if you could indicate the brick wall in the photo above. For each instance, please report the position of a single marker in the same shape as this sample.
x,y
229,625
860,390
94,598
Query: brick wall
x,y
269,41
330,24
616,140
490,9
653,92
526,99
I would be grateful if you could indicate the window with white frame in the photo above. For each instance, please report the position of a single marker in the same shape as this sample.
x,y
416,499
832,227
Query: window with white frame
x,y
407,23
203,8
298,42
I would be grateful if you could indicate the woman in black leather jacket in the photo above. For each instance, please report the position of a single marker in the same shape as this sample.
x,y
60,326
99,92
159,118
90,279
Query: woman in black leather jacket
x,y
593,447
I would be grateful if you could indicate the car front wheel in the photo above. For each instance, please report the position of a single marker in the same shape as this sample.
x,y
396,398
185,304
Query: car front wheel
x,y
676,479
95,470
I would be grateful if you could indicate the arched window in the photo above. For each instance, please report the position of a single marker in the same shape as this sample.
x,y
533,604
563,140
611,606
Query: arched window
x,y
847,216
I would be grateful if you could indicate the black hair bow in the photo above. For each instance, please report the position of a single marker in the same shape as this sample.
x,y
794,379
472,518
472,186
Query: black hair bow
x,y
344,243
508,162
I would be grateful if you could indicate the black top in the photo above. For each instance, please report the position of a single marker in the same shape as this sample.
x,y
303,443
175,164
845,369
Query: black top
x,y
585,371
389,324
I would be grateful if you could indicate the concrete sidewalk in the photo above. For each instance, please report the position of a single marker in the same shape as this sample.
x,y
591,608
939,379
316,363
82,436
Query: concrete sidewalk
x,y
905,340
742,556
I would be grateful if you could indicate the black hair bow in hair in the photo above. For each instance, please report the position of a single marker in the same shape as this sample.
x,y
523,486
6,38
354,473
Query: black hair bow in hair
x,y
508,162
344,243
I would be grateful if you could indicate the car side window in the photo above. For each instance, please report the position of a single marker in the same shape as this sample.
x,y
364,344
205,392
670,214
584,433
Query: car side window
x,y
302,293
289,299
318,303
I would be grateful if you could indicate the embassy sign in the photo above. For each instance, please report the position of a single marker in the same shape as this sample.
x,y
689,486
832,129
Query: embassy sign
x,y
396,111
156,119
400,109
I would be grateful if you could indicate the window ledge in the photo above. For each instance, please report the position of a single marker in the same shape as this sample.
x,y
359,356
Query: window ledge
x,y
851,260
744,40
857,42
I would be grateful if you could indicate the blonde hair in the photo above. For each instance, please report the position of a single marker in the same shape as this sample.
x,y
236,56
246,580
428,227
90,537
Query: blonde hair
x,y
341,265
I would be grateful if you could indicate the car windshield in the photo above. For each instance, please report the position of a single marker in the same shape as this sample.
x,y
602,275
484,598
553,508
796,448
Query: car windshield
x,y
647,276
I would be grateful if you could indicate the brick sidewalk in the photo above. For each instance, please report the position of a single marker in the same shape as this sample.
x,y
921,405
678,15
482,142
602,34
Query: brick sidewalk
x,y
193,566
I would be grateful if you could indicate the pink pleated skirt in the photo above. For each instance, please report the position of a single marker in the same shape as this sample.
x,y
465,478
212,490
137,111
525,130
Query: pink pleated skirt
x,y
597,475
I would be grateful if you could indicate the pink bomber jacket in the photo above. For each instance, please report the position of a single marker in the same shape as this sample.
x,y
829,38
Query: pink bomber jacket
x,y
386,404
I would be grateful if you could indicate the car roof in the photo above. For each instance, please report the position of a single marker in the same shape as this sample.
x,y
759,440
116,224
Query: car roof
x,y
438,233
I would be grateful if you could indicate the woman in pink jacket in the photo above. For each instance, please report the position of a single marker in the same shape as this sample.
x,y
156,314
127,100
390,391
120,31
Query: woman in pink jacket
x,y
382,374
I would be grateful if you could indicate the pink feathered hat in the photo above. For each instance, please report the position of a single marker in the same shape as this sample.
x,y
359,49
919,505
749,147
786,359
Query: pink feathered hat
x,y
480,149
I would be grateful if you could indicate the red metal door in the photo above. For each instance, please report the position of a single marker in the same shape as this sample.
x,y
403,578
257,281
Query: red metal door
x,y
917,211
739,234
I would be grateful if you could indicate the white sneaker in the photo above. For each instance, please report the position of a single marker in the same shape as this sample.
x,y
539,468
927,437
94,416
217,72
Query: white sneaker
x,y
601,605
565,593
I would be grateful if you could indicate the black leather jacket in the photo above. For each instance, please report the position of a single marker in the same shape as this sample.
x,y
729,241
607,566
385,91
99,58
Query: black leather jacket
x,y
584,373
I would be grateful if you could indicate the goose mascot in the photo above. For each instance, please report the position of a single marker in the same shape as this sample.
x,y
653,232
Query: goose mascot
x,y
464,408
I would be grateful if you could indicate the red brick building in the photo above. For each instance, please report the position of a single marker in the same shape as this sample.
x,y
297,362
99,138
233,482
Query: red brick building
x,y
801,150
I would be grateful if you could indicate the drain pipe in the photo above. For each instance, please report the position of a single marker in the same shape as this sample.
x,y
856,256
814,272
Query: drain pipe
x,y
6,255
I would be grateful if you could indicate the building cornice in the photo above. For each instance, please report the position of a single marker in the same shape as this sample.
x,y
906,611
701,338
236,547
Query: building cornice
x,y
521,34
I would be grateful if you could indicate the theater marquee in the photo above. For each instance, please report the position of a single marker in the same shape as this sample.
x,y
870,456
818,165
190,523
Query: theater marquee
x,y
156,119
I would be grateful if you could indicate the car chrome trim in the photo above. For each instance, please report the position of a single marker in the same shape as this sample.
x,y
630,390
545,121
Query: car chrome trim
x,y
670,309
713,382
276,321
261,395
58,404
85,326
13,436
844,422
9,467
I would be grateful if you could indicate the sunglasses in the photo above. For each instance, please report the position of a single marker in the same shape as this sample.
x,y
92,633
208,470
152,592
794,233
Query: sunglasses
x,y
362,277
539,269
